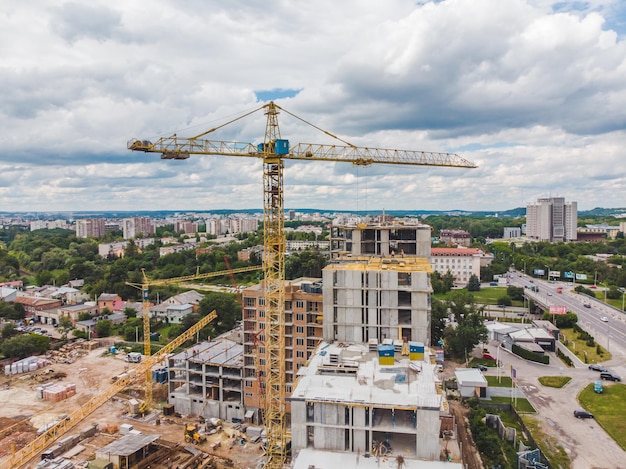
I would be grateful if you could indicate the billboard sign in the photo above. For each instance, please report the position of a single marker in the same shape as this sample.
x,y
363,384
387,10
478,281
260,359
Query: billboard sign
x,y
568,274
558,309
581,276
554,274
539,272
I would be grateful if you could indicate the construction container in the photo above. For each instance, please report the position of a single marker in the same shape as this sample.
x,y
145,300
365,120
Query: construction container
x,y
126,427
133,406
168,409
386,354
416,351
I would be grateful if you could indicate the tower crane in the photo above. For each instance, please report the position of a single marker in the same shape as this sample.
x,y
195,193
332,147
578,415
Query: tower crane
x,y
273,152
145,285
61,428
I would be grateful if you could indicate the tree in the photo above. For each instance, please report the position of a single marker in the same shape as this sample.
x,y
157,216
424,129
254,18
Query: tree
x,y
227,308
515,293
130,312
470,330
22,346
9,330
84,316
473,284
65,325
103,328
504,301
438,316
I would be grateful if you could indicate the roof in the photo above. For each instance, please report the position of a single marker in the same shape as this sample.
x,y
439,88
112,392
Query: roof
x,y
470,377
358,377
108,297
531,333
128,444
191,296
219,352
463,252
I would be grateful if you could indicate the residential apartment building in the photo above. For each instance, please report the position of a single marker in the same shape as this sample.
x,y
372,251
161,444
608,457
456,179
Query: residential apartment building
x,y
303,332
462,263
375,298
552,219
133,227
90,228
455,237
348,401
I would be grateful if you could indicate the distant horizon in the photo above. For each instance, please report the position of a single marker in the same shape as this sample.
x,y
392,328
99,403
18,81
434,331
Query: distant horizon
x,y
614,210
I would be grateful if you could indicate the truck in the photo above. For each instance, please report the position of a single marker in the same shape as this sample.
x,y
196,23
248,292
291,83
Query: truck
x,y
133,357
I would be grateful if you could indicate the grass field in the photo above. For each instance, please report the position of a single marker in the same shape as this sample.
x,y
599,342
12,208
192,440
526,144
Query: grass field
x,y
608,408
579,347
485,296
554,381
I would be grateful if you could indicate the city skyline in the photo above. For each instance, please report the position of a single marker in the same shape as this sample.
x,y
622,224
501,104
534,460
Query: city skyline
x,y
529,90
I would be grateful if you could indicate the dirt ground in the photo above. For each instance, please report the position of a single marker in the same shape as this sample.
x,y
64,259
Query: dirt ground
x,y
22,413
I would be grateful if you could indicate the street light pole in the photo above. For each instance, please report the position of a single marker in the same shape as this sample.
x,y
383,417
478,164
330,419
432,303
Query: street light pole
x,y
136,333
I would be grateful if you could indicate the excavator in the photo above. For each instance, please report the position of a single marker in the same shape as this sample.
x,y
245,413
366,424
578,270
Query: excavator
x,y
192,435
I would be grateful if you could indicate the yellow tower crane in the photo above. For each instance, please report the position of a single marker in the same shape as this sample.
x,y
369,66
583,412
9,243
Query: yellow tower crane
x,y
29,451
273,152
145,285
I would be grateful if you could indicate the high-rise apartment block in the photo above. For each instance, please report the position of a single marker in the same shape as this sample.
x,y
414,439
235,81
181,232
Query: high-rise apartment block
x,y
90,228
552,219
303,333
375,298
132,227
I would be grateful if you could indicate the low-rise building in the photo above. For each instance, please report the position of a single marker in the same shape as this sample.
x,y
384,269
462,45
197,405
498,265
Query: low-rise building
x,y
462,263
171,313
455,237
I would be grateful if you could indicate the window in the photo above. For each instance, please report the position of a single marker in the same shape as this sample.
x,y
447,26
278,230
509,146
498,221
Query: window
x,y
299,304
299,354
299,317
261,301
262,313
300,329
299,341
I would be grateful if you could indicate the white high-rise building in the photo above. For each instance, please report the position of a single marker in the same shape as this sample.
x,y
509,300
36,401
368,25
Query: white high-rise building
x,y
552,219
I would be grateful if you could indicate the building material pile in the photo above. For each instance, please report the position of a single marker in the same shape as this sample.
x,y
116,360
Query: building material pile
x,y
71,351
26,365
55,392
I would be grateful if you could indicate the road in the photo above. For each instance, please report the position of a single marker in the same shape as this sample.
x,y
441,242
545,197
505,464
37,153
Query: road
x,y
585,442
610,334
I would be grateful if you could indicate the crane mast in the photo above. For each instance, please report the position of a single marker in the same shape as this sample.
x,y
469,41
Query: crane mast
x,y
274,151
274,272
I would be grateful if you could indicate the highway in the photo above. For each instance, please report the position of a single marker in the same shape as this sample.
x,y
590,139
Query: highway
x,y
610,334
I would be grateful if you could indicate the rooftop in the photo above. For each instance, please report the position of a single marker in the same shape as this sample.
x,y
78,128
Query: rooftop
x,y
316,459
129,444
219,352
357,376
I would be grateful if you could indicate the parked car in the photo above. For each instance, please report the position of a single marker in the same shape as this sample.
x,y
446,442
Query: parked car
x,y
609,375
583,414
481,367
488,356
596,367
597,386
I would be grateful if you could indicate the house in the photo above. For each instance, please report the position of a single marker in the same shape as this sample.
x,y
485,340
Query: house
x,y
471,382
171,313
107,301
129,450
74,311
88,326
191,297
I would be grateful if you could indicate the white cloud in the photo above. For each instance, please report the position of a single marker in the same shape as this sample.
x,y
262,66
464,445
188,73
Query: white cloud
x,y
532,90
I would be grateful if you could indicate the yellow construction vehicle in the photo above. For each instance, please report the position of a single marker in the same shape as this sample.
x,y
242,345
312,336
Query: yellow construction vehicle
x,y
273,152
192,435
51,434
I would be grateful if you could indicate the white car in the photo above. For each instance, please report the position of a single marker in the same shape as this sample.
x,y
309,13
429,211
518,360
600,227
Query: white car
x,y
604,319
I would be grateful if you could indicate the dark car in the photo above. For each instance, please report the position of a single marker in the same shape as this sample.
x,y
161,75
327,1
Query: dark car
x,y
596,367
481,367
610,376
583,414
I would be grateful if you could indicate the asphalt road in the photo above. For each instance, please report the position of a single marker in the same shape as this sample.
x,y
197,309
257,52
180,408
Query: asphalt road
x,y
586,443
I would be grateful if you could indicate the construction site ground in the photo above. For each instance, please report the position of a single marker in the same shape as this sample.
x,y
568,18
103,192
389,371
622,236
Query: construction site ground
x,y
22,413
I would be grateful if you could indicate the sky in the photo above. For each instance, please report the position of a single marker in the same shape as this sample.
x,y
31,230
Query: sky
x,y
532,91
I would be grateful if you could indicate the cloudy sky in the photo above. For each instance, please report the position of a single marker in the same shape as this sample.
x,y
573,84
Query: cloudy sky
x,y
532,91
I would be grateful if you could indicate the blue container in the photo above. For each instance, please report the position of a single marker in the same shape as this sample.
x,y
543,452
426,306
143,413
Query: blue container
x,y
282,147
113,350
